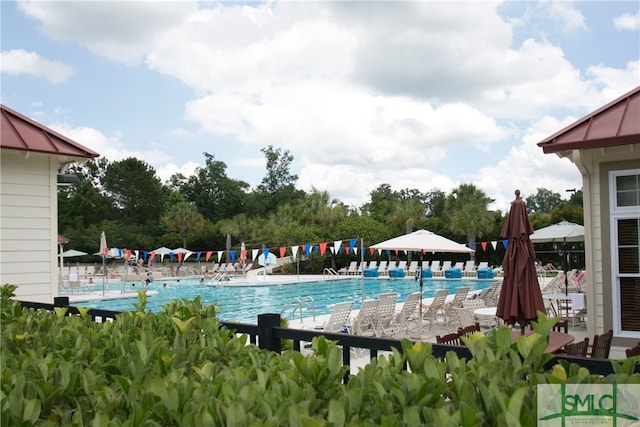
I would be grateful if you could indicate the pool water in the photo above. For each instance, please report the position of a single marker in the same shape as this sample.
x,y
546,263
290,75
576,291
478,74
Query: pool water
x,y
244,303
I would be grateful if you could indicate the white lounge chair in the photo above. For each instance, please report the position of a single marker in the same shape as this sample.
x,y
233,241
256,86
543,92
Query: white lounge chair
x,y
433,311
351,270
469,268
362,324
446,265
382,268
402,265
339,317
413,268
436,268
407,315
385,313
456,302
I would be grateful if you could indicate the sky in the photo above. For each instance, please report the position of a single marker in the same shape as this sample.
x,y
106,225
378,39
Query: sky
x,y
415,94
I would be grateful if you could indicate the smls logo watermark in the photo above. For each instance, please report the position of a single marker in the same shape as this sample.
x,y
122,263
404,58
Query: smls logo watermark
x,y
569,405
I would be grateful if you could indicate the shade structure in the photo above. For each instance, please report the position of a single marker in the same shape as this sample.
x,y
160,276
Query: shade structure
x,y
422,241
70,253
520,297
564,231
184,253
162,251
104,249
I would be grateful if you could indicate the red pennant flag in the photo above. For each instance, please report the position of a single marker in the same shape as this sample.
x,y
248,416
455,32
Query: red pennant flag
x,y
208,256
179,256
396,251
283,250
152,256
483,245
346,250
371,250
323,248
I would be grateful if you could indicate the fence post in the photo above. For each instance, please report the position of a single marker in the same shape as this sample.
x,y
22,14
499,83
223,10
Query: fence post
x,y
266,323
61,301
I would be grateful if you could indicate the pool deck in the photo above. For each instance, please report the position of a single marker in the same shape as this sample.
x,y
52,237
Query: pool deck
x,y
428,334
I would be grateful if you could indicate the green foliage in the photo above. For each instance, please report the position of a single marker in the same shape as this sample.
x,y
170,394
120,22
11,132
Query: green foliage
x,y
179,367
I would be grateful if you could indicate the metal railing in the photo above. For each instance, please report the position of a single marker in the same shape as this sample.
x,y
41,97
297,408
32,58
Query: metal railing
x,y
299,304
268,335
329,274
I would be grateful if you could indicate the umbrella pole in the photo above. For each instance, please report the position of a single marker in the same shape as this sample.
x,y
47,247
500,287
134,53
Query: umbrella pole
x,y
421,284
566,276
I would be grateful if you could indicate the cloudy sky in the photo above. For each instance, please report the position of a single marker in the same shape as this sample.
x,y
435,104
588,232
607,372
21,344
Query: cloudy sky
x,y
418,94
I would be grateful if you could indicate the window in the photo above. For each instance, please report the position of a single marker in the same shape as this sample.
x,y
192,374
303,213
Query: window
x,y
625,251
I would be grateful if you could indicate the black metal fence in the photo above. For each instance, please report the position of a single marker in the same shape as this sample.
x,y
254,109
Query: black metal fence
x,y
268,335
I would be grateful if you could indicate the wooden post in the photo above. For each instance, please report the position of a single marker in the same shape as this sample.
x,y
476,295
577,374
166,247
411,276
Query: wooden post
x,y
266,323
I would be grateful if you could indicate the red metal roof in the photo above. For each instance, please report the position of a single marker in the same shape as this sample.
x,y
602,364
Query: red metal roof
x,y
19,132
617,123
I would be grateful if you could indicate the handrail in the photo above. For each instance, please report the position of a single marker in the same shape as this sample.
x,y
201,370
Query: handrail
x,y
329,272
299,305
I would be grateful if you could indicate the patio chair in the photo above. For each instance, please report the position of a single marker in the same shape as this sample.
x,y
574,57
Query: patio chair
x,y
407,314
451,339
362,324
633,351
353,266
561,326
436,268
382,268
339,317
385,313
468,330
483,264
579,348
601,345
458,298
469,268
433,311
413,267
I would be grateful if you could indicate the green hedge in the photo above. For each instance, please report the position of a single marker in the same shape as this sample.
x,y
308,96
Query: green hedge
x,y
179,368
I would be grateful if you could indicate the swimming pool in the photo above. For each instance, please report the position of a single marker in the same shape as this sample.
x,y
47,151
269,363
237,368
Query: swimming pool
x,y
244,303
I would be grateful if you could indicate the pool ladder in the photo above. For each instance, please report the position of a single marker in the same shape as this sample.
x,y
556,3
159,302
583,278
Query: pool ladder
x,y
299,303
329,273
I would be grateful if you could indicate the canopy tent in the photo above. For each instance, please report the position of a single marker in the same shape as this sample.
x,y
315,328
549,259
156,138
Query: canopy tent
x,y
186,252
422,241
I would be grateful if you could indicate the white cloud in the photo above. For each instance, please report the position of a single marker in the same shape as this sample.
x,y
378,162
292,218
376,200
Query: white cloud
x,y
121,31
565,13
19,61
627,21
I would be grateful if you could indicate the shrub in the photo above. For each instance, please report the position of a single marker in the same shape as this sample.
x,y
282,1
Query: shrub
x,y
179,367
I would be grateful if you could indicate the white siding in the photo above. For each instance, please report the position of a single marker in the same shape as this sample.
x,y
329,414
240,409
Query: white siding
x,y
28,224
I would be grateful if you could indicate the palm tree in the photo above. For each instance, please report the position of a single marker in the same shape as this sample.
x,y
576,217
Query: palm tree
x,y
466,208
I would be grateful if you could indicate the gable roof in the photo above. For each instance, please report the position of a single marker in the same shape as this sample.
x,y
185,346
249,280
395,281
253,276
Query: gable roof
x,y
617,123
18,132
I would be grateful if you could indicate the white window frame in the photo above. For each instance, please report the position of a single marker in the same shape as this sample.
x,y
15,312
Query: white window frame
x,y
615,214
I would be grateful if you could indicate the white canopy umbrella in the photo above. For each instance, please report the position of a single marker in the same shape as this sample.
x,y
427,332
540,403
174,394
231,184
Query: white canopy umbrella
x,y
162,251
563,231
422,241
185,252
69,253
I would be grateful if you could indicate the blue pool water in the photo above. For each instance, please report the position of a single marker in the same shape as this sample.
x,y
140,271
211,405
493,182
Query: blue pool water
x,y
244,303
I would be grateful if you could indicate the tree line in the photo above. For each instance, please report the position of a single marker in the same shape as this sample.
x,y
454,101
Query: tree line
x,y
211,211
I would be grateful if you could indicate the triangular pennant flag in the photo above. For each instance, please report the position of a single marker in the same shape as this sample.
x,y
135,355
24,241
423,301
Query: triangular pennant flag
x,y
336,246
179,256
353,243
483,245
171,256
152,256
232,255
472,245
355,250
505,243
307,249
145,254
494,244
198,256
294,251
323,248
283,250
209,253
346,250
254,254
220,255
371,251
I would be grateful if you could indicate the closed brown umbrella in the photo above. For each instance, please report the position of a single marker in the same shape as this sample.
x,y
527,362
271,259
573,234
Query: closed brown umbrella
x,y
520,297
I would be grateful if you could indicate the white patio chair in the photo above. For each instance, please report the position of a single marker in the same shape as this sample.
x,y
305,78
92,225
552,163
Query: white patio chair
x,y
339,317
